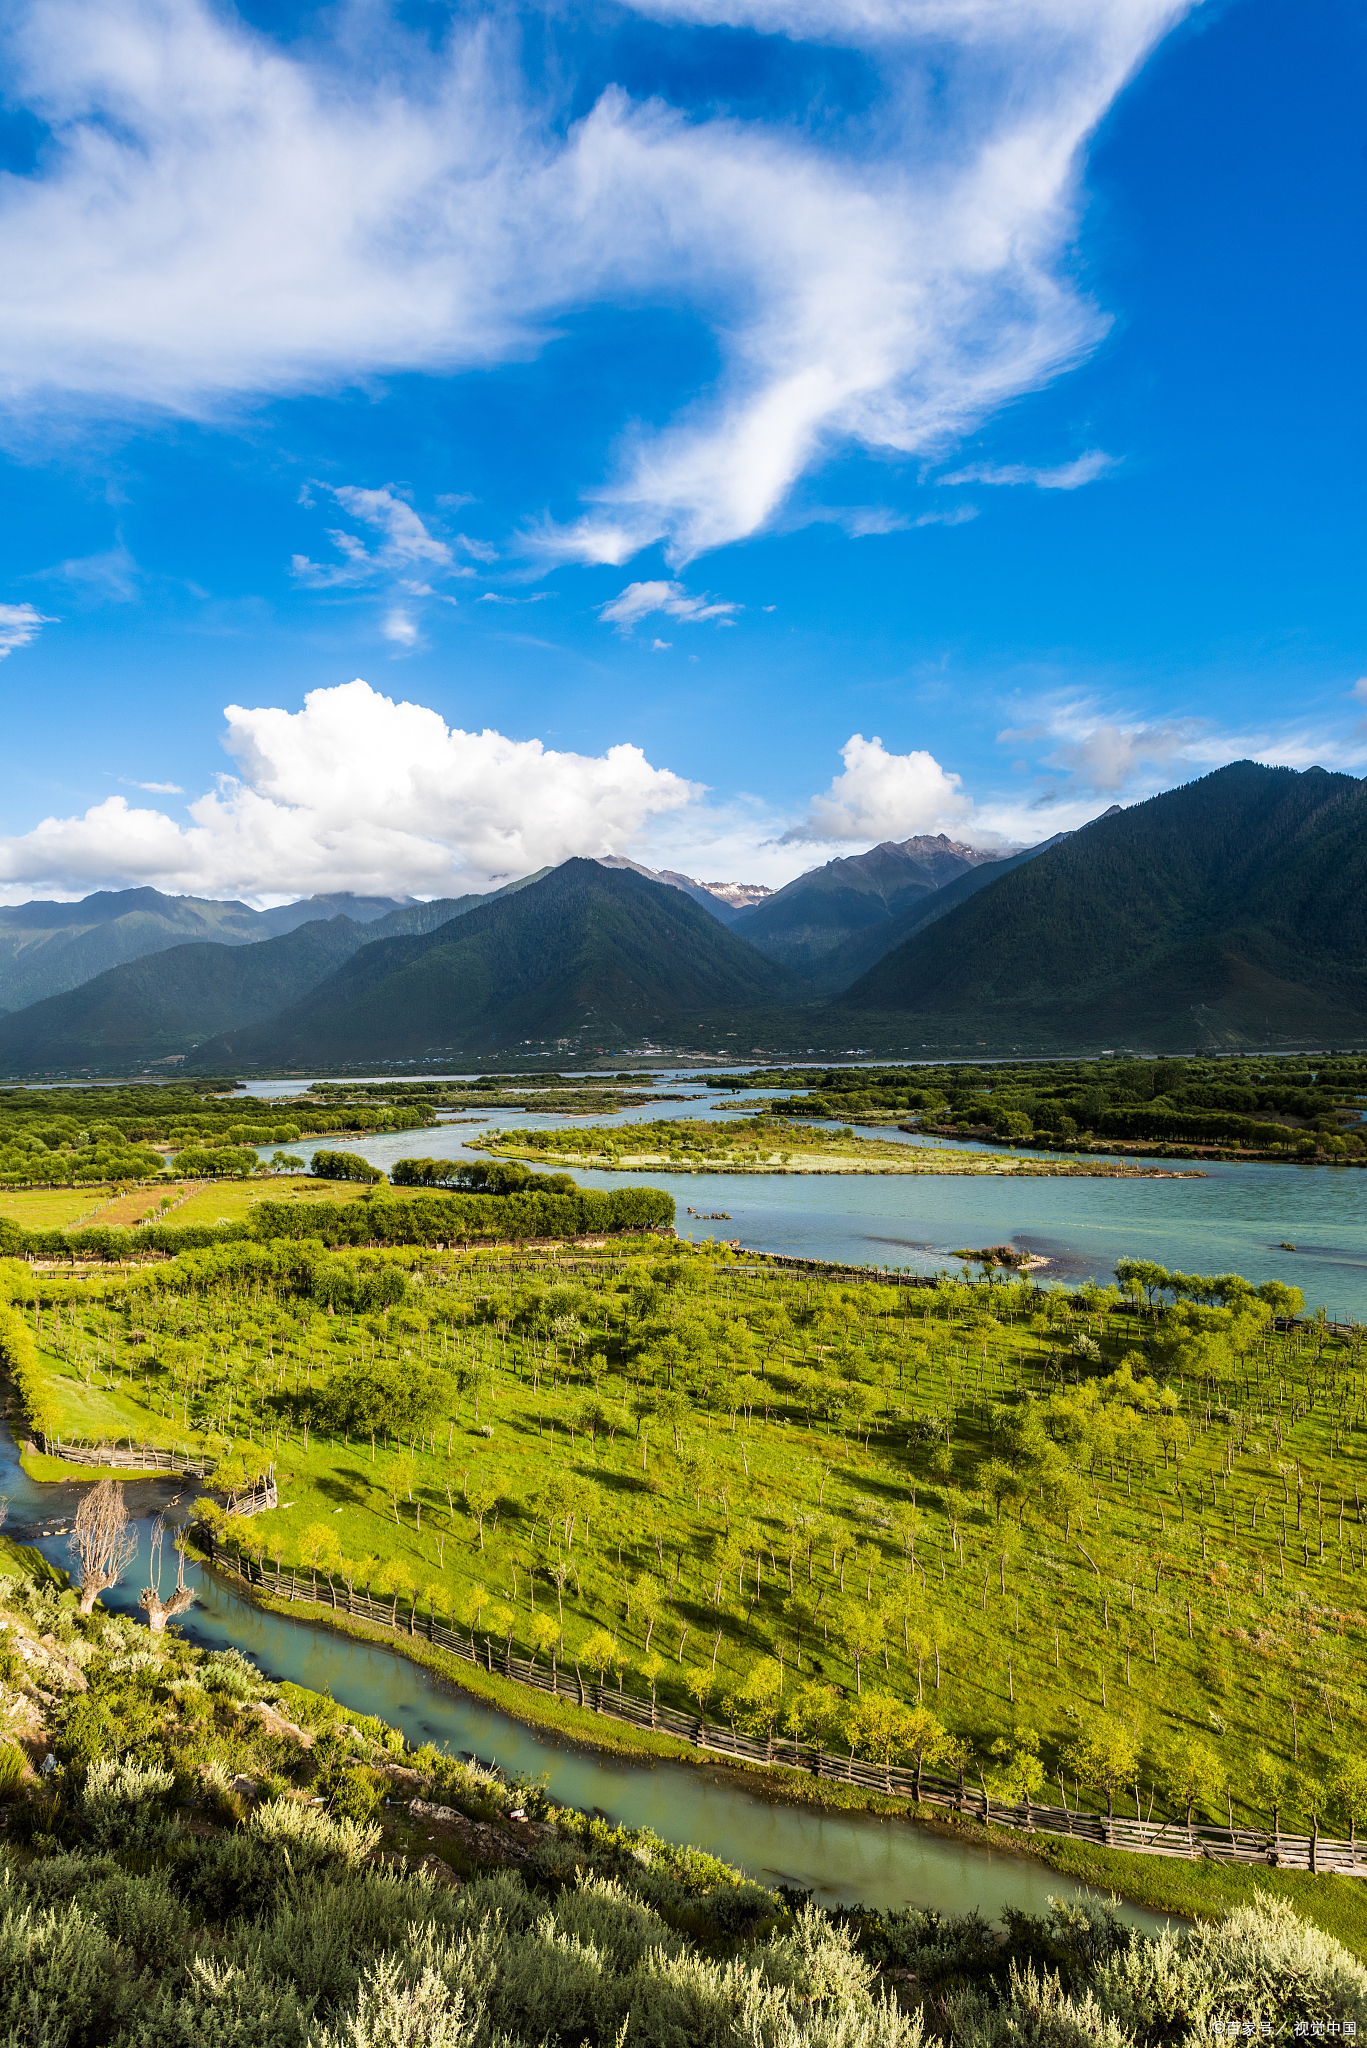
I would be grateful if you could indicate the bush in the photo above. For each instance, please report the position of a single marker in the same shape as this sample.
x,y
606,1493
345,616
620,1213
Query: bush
x,y
197,1162
343,1166
121,1804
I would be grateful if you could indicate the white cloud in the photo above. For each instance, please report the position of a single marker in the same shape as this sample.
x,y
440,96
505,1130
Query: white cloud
x,y
1067,476
110,577
660,646
1360,689
154,788
642,600
1086,754
19,625
883,796
407,551
217,217
401,627
356,791
1106,754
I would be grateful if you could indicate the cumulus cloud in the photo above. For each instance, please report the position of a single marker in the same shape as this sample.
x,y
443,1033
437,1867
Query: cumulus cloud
x,y
356,791
19,625
883,796
642,600
217,217
1067,476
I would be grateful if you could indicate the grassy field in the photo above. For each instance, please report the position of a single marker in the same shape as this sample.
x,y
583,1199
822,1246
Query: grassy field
x,y
760,1145
204,1201
1048,1534
53,1208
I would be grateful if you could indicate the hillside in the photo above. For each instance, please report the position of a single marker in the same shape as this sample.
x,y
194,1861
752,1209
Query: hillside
x,y
162,1005
1231,911
810,917
845,963
586,953
47,948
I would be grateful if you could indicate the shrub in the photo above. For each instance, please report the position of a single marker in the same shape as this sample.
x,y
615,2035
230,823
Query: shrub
x,y
121,1803
343,1166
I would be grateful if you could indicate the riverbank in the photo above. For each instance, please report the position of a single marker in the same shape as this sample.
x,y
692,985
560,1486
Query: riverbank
x,y
587,1151
1200,1889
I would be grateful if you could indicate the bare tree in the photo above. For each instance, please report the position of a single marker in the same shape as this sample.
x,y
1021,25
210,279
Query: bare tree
x,y
160,1611
103,1541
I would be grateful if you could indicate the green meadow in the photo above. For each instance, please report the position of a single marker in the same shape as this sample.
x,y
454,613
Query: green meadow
x,y
1113,1538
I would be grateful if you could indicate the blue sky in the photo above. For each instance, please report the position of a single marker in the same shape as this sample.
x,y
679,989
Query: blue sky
x,y
728,432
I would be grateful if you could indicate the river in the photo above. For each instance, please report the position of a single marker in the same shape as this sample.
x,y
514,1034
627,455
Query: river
x,y
1237,1218
842,1858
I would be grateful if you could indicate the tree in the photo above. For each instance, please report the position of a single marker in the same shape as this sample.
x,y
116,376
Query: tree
x,y
648,1597
701,1682
650,1668
1105,1756
1350,1791
545,1635
160,1611
481,1497
1191,1773
598,1652
860,1631
1269,1787
885,1731
811,1710
320,1550
1134,1274
499,1622
397,1580
103,1542
754,1703
1020,1767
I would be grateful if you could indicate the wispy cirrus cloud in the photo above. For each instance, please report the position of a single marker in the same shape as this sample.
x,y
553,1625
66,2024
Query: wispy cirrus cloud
x,y
219,217
20,625
1065,476
407,552
644,600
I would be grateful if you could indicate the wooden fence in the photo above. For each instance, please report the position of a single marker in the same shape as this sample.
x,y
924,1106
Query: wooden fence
x,y
126,1457
1114,1831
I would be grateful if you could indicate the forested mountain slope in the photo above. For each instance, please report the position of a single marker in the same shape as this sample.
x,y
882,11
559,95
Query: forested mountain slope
x,y
46,948
802,922
153,1008
1230,911
588,952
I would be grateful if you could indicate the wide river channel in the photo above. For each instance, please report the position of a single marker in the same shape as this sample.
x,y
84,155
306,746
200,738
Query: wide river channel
x,y
1236,1218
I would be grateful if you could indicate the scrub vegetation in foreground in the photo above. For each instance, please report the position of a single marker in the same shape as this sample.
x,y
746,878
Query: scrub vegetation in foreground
x,y
210,1860
1106,1544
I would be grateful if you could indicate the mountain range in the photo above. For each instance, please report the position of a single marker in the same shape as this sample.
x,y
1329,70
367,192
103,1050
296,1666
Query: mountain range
x,y
588,952
1230,911
1227,912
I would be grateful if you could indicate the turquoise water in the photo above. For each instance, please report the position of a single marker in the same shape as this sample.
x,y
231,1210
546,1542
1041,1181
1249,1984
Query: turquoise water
x,y
1232,1220
844,1859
